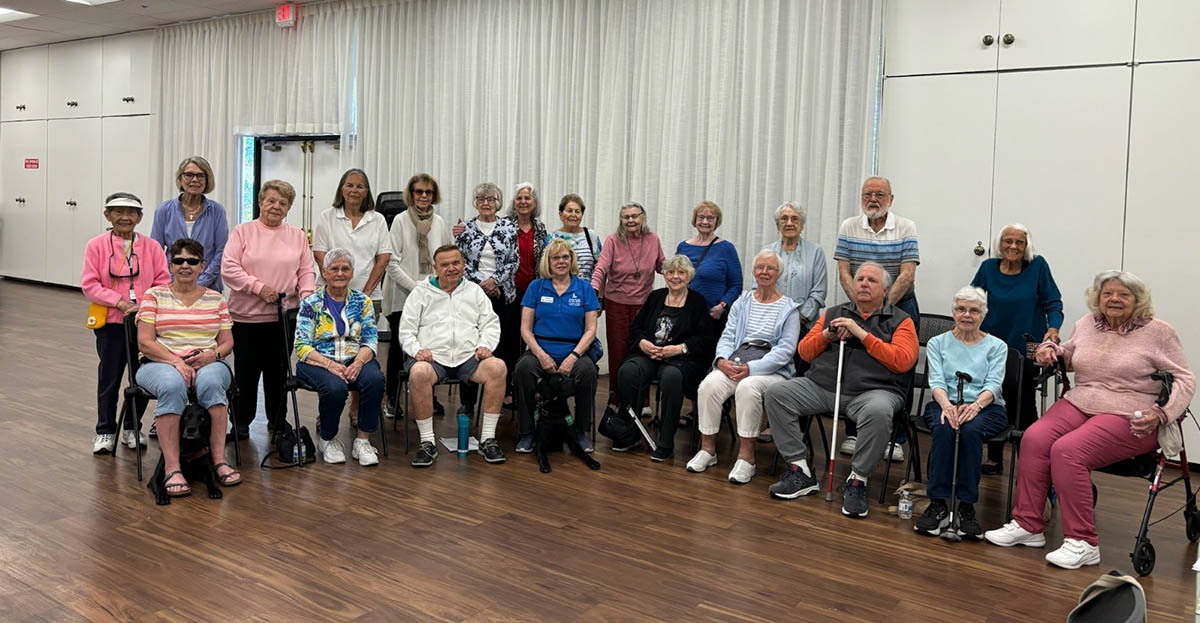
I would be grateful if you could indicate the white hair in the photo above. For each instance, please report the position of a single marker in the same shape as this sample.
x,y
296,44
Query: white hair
x,y
537,204
1030,252
974,295
887,277
800,211
764,254
335,254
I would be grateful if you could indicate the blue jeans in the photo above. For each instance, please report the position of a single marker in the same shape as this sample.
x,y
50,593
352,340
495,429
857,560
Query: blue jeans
x,y
333,390
990,421
166,383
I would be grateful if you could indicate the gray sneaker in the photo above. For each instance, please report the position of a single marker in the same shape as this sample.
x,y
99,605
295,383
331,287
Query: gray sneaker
x,y
525,444
585,443
425,455
793,484
490,450
854,499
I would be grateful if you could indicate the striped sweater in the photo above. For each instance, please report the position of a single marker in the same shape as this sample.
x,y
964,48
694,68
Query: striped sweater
x,y
891,246
183,328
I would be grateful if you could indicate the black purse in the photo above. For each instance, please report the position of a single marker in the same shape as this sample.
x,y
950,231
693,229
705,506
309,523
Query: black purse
x,y
284,441
752,350
617,426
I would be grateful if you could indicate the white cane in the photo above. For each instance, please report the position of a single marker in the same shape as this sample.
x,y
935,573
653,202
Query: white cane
x,y
837,407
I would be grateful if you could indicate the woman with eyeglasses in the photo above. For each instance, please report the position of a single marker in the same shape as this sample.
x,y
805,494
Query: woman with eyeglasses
x,y
622,279
266,261
184,331
718,275
586,244
118,267
193,215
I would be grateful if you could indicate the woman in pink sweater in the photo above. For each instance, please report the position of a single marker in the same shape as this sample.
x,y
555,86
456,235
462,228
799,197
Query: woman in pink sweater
x,y
1109,416
265,260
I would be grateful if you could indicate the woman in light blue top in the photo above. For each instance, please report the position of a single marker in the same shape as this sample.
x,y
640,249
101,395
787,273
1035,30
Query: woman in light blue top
x,y
982,357
802,275
192,215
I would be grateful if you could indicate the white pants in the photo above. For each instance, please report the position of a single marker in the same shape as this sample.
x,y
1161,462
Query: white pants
x,y
747,395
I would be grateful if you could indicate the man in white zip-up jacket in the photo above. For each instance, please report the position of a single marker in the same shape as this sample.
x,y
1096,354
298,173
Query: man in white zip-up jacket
x,y
448,329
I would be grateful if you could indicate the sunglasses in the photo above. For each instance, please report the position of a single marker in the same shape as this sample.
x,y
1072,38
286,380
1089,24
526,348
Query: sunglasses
x,y
190,261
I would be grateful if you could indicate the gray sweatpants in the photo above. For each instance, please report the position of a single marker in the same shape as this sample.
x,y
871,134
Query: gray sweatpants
x,y
791,403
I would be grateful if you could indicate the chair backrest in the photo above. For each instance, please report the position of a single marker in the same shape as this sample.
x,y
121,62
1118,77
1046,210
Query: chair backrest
x,y
389,204
933,325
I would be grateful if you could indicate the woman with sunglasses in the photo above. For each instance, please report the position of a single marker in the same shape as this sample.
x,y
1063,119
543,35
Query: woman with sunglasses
x,y
193,215
118,267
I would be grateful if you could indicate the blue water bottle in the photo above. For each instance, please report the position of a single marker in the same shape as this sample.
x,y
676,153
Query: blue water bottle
x,y
464,434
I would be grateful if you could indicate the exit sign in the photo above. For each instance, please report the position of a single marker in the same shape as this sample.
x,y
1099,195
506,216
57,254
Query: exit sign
x,y
285,15
31,163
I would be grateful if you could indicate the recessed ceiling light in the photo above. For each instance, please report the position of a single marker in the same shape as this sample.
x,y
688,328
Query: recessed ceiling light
x,y
9,15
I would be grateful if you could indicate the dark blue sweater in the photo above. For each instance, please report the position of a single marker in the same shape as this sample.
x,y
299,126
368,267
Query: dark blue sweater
x,y
1027,302
719,277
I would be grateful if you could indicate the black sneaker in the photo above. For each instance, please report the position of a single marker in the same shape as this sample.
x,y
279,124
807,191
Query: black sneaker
x,y
153,434
490,450
854,499
626,447
425,454
934,520
968,524
662,454
438,409
793,484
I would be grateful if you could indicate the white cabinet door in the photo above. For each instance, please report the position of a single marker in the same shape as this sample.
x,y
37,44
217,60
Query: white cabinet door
x,y
935,145
76,69
1060,33
1160,232
74,207
1061,139
23,84
128,61
22,199
125,148
1166,30
940,36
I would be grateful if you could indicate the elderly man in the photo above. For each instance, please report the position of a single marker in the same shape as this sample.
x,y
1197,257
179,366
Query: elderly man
x,y
449,327
881,348
878,235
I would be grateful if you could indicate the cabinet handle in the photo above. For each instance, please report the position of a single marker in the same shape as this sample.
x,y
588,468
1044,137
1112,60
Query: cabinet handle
x,y
71,203
19,200
988,40
1008,39
72,104
979,250
20,106
127,100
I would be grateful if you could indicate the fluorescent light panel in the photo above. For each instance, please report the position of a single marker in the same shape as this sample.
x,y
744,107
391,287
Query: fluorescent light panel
x,y
9,15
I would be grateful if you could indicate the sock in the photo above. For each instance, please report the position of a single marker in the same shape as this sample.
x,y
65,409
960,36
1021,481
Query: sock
x,y
803,465
425,427
854,476
489,426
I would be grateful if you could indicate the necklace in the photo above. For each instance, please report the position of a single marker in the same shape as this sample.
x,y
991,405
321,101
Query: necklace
x,y
637,261
190,214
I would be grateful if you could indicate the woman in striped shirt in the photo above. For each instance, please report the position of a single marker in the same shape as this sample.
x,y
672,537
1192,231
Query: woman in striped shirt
x,y
184,329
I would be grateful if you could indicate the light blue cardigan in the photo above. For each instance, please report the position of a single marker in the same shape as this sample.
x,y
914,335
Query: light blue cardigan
x,y
783,344
807,288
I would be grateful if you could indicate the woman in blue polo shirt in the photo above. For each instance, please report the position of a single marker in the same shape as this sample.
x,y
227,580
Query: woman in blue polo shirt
x,y
558,324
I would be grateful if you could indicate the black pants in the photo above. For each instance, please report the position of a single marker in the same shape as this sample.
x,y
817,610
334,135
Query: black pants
x,y
525,379
395,357
638,370
261,350
1027,409
508,350
111,347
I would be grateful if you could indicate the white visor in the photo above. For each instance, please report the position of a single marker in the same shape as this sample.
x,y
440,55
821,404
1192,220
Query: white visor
x,y
123,202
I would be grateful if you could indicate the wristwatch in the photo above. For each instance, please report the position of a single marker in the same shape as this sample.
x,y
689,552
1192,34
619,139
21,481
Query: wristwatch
x,y
683,348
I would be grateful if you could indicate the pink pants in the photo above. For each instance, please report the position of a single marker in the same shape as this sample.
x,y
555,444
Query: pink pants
x,y
1062,448
618,317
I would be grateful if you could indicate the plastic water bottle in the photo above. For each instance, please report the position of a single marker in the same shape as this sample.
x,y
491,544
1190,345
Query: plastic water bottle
x,y
299,451
906,505
464,434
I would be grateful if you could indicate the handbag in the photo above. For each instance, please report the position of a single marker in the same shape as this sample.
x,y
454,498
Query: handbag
x,y
97,316
285,443
752,350
617,425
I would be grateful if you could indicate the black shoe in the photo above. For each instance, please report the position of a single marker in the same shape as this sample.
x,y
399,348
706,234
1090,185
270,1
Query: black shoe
x,y
490,450
854,499
425,454
991,468
934,520
438,409
793,484
968,524
153,433
662,454
626,447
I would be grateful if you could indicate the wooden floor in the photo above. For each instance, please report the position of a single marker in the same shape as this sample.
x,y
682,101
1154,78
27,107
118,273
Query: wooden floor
x,y
80,539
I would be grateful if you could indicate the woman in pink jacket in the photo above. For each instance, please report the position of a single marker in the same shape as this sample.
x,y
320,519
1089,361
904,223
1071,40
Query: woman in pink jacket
x,y
118,267
265,260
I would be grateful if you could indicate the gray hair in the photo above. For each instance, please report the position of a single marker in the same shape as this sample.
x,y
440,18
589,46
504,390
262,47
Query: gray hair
x,y
488,188
973,295
537,204
800,211
335,254
679,261
887,277
764,254
621,228
879,178
1142,307
1030,253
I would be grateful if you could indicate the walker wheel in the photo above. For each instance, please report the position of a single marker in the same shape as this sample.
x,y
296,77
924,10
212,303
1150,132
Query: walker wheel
x,y
1143,558
1193,525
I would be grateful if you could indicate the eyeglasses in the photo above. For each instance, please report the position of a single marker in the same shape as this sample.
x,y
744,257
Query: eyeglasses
x,y
131,261
630,217
705,217
482,199
188,175
878,194
190,261
424,191
970,311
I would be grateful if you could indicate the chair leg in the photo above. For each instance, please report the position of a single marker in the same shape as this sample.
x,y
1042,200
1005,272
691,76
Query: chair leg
x,y
887,459
914,459
231,399
1012,478
120,422
137,441
383,436
824,437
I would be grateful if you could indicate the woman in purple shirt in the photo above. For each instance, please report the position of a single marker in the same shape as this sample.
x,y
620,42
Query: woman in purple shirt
x,y
192,215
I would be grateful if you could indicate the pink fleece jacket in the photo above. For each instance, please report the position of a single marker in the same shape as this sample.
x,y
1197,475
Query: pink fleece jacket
x,y
257,256
619,261
98,284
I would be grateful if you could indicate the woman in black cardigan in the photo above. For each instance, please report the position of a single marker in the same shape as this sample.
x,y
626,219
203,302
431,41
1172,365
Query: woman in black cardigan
x,y
671,340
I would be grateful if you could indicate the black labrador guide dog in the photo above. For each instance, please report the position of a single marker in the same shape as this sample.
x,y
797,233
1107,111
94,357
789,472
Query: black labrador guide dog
x,y
553,423
195,461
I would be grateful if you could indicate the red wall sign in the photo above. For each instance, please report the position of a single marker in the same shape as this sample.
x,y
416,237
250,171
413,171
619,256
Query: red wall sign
x,y
31,163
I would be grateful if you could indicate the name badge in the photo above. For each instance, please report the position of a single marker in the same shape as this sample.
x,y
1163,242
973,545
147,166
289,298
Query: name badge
x,y
547,299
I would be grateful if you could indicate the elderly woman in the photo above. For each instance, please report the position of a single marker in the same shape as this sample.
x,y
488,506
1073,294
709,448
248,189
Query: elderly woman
x,y
531,238
622,280
558,324
184,330
718,271
335,343
670,341
587,246
118,267
802,272
755,351
265,261
1022,293
192,215
414,237
965,348
1108,416
353,224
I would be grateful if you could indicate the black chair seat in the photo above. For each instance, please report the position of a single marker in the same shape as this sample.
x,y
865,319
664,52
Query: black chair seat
x,y
295,382
1142,466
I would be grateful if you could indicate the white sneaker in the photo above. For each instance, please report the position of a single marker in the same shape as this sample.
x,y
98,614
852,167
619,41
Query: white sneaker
x,y
702,461
647,412
742,472
1074,554
364,452
332,450
128,439
849,445
897,453
103,444
1012,533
